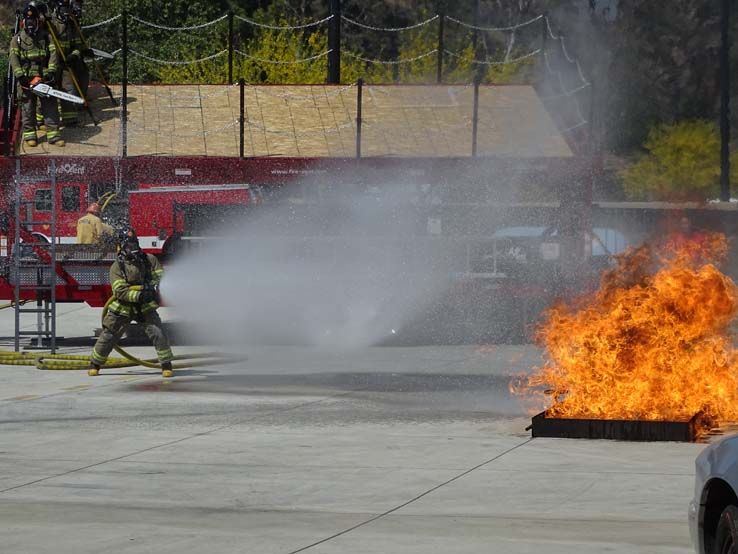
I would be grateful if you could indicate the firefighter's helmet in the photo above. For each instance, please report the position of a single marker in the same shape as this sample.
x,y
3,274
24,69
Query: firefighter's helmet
x,y
31,18
128,245
93,208
40,6
62,9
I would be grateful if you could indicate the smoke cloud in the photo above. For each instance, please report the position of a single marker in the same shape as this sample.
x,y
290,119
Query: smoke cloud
x,y
343,266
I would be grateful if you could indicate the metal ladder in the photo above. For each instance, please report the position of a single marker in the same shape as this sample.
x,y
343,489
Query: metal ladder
x,y
32,272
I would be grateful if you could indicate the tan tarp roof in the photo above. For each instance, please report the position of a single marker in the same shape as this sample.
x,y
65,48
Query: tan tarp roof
x,y
317,120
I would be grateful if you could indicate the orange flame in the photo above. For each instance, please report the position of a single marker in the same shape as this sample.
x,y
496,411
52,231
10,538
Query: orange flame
x,y
650,344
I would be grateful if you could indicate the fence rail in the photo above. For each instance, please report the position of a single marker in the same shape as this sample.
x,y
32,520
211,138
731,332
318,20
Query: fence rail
x,y
539,23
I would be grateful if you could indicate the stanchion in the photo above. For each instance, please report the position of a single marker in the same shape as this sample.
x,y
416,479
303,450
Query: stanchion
x,y
359,92
441,48
475,117
241,118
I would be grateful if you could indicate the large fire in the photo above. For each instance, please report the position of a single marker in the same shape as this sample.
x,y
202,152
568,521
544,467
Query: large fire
x,y
652,343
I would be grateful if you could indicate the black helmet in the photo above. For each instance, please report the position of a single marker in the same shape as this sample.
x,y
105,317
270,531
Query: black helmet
x,y
77,8
31,18
128,245
63,9
40,6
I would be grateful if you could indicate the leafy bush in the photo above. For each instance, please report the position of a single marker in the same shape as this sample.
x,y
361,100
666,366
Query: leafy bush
x,y
682,163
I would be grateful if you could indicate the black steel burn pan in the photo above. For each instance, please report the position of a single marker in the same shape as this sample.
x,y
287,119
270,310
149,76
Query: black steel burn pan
x,y
544,425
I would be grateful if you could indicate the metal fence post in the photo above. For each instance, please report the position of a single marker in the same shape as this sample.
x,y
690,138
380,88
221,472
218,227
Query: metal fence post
x,y
441,48
475,117
241,118
230,48
334,44
479,69
359,92
124,85
544,32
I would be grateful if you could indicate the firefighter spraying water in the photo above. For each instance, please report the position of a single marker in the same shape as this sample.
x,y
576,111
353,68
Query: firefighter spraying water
x,y
135,278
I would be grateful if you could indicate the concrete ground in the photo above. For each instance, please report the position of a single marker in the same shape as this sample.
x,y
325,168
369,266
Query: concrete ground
x,y
382,450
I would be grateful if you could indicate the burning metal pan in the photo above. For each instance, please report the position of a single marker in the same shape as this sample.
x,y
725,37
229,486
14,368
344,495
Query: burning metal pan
x,y
544,425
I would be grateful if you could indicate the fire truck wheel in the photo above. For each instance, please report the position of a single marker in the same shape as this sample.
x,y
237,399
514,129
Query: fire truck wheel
x,y
726,536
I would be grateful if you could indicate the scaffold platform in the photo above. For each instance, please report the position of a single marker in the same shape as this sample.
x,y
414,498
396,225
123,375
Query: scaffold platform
x,y
317,121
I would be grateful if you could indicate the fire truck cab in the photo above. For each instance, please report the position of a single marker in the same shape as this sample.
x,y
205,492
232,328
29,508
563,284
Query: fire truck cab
x,y
71,202
162,214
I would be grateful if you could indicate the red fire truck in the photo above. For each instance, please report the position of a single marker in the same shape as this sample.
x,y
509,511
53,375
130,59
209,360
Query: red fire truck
x,y
161,213
163,199
167,199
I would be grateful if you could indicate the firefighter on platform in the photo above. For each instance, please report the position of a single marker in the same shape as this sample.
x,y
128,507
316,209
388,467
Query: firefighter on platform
x,y
135,278
44,12
91,229
71,55
33,55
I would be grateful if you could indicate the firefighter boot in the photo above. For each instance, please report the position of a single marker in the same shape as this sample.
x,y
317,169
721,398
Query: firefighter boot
x,y
166,369
94,371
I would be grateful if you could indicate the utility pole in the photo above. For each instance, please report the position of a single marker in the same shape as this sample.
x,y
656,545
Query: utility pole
x,y
725,102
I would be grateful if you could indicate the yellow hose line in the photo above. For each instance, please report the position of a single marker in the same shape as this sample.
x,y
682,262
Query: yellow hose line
x,y
118,349
46,361
110,196
75,363
11,304
52,365
78,362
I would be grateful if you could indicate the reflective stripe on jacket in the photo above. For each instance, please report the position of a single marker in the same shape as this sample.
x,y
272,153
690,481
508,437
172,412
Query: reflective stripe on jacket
x,y
125,274
33,56
90,229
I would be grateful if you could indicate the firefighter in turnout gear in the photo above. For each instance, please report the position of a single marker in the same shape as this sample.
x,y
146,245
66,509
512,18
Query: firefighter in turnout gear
x,y
32,55
132,271
43,10
91,229
71,58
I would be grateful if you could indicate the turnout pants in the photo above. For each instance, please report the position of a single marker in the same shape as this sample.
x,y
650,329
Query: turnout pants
x,y
28,102
113,327
70,111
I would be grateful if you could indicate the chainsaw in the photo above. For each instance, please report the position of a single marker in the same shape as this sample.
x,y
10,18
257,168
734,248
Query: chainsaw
x,y
39,88
102,54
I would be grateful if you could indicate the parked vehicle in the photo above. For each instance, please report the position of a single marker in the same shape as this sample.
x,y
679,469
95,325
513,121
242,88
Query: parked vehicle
x,y
713,512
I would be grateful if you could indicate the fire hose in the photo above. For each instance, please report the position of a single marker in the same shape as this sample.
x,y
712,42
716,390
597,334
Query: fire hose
x,y
78,362
12,303
104,200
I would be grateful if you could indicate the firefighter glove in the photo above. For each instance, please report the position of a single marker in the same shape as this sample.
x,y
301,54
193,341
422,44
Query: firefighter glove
x,y
149,293
146,296
88,53
49,78
24,81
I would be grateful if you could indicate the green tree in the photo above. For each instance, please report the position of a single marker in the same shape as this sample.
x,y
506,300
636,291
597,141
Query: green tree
x,y
7,21
285,47
682,163
146,41
420,45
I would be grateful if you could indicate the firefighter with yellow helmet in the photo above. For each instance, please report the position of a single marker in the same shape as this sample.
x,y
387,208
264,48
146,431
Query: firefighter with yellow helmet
x,y
135,278
91,229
